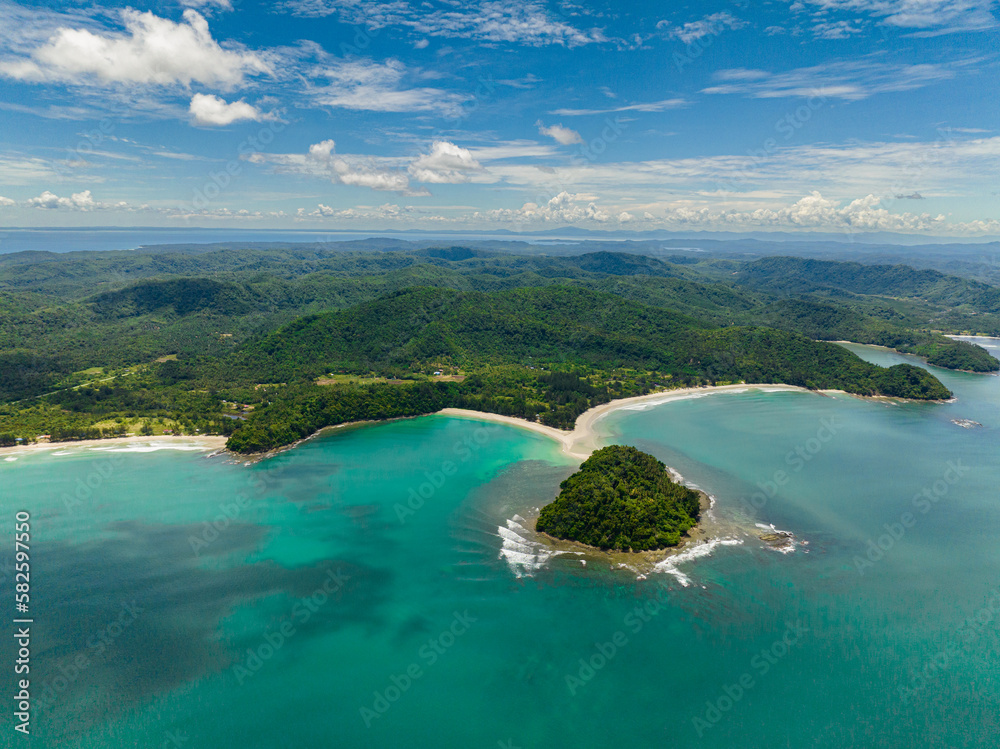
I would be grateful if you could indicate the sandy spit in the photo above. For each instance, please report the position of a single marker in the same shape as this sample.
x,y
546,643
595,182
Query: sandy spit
x,y
582,441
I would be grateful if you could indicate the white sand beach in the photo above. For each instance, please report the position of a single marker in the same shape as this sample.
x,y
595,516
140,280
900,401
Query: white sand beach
x,y
581,442
207,443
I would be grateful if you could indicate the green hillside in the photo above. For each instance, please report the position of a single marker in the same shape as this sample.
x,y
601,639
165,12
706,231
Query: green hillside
x,y
792,275
234,338
549,353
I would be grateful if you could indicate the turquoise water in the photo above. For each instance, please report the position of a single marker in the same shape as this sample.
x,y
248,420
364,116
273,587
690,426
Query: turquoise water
x,y
372,588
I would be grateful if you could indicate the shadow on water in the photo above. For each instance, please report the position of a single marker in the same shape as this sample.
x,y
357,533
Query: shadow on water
x,y
121,621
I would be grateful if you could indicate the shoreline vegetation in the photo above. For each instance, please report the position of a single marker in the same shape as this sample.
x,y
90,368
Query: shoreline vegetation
x,y
578,443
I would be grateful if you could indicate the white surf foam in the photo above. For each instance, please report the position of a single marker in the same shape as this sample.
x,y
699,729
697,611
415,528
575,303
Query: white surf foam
x,y
669,565
9,459
660,401
523,555
668,398
151,447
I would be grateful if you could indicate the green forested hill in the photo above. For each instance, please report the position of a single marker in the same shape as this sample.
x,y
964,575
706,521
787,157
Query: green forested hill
x,y
826,322
180,296
119,309
621,499
792,275
182,335
426,326
551,352
422,328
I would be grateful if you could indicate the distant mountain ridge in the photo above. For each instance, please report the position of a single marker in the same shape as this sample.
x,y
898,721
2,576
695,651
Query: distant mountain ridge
x,y
793,275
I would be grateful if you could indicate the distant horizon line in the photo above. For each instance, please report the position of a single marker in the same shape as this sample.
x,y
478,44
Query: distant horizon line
x,y
569,233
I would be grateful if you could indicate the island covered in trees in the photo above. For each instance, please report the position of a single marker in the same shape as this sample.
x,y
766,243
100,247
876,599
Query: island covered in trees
x,y
621,499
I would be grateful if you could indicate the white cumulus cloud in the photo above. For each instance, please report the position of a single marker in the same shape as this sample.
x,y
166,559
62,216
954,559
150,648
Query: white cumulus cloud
x,y
815,212
207,109
563,135
322,161
79,201
564,208
152,50
445,164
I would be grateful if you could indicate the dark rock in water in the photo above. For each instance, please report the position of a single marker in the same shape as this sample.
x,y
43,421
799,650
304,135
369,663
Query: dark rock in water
x,y
775,538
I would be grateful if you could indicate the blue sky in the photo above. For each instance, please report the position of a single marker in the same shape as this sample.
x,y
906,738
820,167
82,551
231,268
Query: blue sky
x,y
810,115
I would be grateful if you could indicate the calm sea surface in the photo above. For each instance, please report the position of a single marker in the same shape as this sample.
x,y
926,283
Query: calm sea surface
x,y
376,588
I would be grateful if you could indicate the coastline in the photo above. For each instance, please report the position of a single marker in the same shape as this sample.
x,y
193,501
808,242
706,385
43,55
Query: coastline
x,y
207,443
251,458
577,444
924,359
582,441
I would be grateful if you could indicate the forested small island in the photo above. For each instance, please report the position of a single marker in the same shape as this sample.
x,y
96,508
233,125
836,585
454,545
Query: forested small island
x,y
621,499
